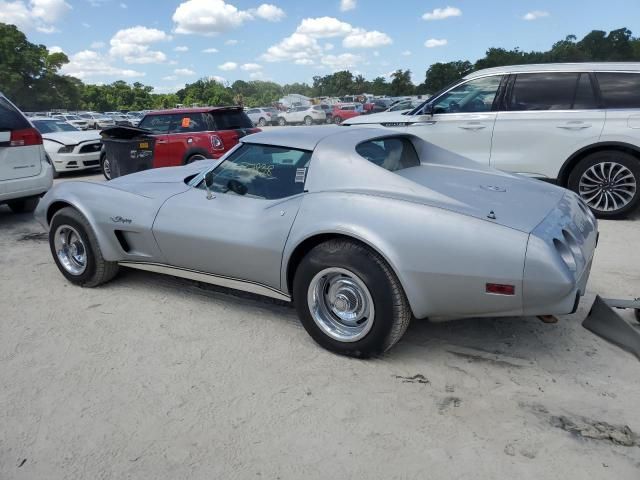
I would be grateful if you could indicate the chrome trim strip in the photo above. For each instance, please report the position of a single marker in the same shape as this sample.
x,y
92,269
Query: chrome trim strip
x,y
220,280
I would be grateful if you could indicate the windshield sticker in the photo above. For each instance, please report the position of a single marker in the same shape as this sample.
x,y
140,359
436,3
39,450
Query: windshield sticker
x,y
301,173
263,168
186,121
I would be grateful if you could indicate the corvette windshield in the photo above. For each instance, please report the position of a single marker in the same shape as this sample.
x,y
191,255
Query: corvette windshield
x,y
260,171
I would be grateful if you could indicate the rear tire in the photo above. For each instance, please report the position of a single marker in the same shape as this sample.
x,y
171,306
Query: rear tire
x,y
282,122
24,205
608,182
105,167
349,300
308,121
337,120
262,122
87,267
195,158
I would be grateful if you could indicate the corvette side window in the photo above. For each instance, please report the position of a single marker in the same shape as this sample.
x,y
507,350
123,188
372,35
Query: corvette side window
x,y
261,171
392,154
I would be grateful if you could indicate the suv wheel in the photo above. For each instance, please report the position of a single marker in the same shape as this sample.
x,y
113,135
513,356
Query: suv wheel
x,y
349,300
195,158
609,182
337,120
308,120
262,122
24,205
282,122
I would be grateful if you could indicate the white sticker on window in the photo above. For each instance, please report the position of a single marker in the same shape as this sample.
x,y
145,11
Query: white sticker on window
x,y
301,173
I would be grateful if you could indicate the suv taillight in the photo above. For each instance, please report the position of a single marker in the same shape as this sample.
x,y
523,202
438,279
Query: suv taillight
x,y
25,137
216,142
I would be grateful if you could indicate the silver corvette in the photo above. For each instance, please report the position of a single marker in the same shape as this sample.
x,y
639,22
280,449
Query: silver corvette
x,y
362,229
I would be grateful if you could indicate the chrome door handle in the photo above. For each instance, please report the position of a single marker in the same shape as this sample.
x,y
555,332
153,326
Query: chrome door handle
x,y
421,124
574,126
161,141
472,126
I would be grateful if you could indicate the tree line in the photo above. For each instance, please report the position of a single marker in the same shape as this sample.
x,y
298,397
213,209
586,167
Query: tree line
x,y
30,76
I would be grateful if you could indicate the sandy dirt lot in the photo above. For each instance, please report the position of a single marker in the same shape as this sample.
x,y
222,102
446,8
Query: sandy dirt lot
x,y
152,377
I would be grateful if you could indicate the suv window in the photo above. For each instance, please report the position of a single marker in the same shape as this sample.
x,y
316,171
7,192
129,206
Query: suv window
x,y
230,119
156,123
392,154
473,96
10,118
619,90
261,171
188,123
552,91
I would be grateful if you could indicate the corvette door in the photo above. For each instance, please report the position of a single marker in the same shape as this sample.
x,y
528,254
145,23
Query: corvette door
x,y
463,119
235,226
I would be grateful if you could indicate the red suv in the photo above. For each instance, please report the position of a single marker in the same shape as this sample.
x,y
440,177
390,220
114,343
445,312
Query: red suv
x,y
343,112
185,135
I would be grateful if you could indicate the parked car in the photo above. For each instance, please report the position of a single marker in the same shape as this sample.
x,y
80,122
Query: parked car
x,y
134,118
25,173
577,125
306,115
380,105
344,112
68,148
403,106
263,116
119,119
361,228
97,121
75,120
176,137
328,111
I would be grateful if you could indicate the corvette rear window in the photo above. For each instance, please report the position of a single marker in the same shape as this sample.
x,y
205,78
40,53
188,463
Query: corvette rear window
x,y
392,153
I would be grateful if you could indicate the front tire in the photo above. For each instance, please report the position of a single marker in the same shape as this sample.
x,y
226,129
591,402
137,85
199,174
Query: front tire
x,y
262,122
195,158
337,120
349,300
308,121
608,182
282,122
24,205
105,167
76,251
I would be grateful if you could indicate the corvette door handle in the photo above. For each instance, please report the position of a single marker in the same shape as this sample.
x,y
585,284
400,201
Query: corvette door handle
x,y
472,126
574,125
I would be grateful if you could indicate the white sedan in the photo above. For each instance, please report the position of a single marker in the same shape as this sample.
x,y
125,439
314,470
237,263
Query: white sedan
x,y
68,148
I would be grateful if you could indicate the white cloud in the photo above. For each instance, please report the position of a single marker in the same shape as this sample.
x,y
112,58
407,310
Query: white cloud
x,y
123,5
40,15
211,17
218,79
181,49
170,78
535,14
228,66
442,13
257,75
270,13
250,67
231,42
85,25
359,38
346,5
55,49
210,50
302,47
133,45
184,72
435,42
98,45
406,53
323,27
90,64
341,62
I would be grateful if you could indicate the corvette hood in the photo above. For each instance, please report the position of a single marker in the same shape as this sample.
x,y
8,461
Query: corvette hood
x,y
71,138
515,202
378,118
160,181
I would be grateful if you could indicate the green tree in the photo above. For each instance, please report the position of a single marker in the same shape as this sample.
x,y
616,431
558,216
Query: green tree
x,y
439,75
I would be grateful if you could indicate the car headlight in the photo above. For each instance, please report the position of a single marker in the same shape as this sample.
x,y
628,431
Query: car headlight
x,y
66,149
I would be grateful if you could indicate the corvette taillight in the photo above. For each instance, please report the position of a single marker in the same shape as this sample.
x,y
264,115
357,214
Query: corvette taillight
x,y
216,142
25,137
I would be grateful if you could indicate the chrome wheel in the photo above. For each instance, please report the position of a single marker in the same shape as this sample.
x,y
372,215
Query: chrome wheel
x,y
607,186
340,304
70,249
106,168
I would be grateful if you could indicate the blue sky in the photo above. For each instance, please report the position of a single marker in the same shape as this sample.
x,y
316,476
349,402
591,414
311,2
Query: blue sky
x,y
165,43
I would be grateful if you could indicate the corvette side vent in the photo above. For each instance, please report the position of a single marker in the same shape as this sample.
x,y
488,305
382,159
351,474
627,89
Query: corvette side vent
x,y
122,240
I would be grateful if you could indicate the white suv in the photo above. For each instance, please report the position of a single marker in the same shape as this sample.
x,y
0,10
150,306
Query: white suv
x,y
25,173
574,124
306,115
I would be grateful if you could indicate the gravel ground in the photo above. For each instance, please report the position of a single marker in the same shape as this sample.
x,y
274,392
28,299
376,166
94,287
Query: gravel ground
x,y
153,377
